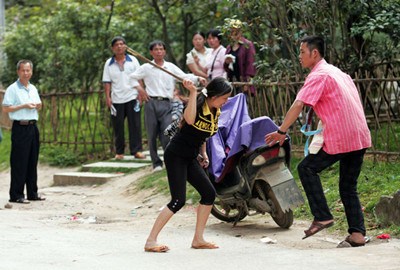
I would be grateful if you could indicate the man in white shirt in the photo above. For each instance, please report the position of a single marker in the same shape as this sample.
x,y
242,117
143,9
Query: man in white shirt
x,y
122,98
22,102
159,87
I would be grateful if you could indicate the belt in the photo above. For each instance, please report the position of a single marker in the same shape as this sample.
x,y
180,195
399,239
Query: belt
x,y
159,98
25,122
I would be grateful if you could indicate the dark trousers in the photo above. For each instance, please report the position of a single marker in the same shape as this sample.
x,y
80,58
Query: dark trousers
x,y
350,167
157,115
125,110
182,169
23,160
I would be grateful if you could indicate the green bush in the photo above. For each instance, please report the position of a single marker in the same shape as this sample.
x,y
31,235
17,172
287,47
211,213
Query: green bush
x,y
59,156
5,148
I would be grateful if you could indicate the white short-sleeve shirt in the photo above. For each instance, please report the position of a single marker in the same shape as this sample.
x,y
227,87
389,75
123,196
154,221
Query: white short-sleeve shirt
x,y
122,86
17,94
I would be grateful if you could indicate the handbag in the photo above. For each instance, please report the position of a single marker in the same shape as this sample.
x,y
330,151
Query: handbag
x,y
317,141
318,138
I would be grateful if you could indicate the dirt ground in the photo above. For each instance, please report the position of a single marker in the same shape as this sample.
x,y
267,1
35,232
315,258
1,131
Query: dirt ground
x,y
115,207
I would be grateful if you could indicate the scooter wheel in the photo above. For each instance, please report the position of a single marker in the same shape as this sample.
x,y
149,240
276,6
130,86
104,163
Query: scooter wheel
x,y
225,214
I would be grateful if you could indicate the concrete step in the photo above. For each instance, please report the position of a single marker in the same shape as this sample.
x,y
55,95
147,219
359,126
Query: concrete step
x,y
147,159
105,164
138,160
89,178
83,178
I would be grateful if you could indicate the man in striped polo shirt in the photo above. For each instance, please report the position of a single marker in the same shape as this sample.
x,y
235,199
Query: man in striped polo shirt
x,y
335,99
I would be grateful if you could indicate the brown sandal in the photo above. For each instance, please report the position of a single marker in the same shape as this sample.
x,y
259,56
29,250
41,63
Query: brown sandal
x,y
349,243
316,227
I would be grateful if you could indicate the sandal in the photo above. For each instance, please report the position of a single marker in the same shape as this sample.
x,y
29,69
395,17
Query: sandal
x,y
349,243
316,227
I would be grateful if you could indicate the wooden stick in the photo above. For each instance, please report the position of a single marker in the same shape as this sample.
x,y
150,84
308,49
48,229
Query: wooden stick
x,y
141,57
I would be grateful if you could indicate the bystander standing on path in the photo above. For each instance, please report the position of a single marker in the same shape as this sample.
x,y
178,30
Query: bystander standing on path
x,y
22,102
159,88
123,98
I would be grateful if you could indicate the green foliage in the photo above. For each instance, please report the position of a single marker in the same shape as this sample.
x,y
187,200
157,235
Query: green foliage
x,y
158,182
59,156
69,40
5,148
359,34
52,155
382,17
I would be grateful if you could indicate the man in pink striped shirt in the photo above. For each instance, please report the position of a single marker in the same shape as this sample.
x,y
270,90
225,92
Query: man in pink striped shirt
x,y
335,99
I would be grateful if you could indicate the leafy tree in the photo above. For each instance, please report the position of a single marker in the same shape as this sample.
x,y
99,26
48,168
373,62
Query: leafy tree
x,y
359,33
69,40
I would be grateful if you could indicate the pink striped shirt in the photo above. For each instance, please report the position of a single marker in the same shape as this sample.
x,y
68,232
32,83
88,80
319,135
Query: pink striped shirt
x,y
335,100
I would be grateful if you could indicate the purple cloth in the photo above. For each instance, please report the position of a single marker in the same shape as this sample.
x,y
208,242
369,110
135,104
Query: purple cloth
x,y
233,114
251,134
236,133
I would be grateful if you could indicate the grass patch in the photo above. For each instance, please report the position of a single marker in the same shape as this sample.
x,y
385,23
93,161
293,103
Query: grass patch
x,y
52,155
5,148
59,156
159,183
376,179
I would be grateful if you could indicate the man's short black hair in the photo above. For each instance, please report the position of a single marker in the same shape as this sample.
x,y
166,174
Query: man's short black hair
x,y
117,38
215,33
156,42
315,42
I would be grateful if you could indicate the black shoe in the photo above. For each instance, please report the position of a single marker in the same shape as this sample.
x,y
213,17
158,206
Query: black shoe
x,y
20,200
38,198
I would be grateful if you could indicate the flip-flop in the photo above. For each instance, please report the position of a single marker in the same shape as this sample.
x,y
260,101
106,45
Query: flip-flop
x,y
346,243
157,249
207,245
316,227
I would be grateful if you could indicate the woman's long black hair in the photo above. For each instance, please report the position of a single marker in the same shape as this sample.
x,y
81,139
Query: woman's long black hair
x,y
217,87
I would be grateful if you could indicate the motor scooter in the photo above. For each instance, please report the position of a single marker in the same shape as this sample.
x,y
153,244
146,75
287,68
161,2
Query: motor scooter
x,y
249,176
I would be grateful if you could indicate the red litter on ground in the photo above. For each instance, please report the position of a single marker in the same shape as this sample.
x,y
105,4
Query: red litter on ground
x,y
383,236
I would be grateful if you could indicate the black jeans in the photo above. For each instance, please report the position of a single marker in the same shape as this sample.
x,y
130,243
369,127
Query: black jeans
x,y
182,169
350,167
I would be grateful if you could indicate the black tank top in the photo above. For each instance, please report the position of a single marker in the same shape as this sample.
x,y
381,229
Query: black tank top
x,y
187,141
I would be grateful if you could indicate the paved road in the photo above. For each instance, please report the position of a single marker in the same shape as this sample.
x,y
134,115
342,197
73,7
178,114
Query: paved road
x,y
42,245
101,227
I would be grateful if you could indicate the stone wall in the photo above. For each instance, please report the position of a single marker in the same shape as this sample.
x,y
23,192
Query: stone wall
x,y
388,209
